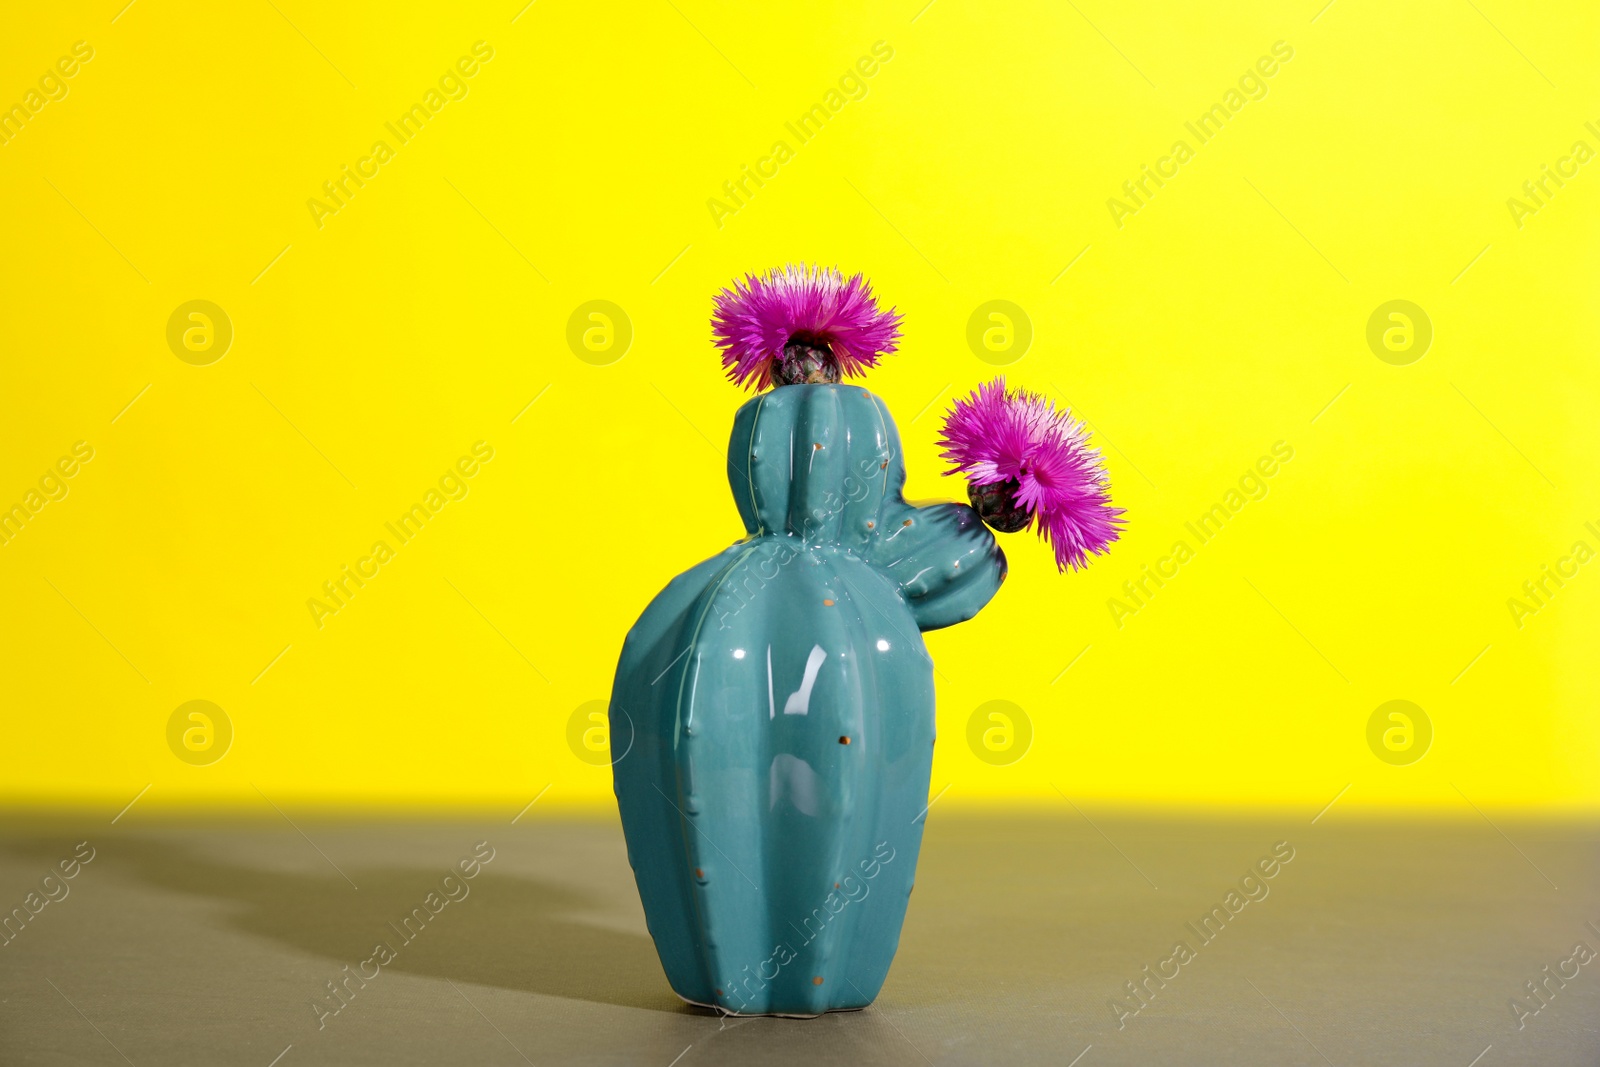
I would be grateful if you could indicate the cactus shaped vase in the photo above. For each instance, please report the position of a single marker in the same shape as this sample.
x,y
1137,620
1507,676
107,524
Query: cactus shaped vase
x,y
780,702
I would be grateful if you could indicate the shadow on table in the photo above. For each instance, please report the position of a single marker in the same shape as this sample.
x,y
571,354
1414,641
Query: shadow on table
x,y
508,931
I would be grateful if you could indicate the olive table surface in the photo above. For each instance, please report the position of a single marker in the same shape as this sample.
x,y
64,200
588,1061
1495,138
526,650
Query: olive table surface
x,y
1384,940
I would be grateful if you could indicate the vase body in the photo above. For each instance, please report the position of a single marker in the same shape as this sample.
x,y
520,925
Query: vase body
x,y
776,704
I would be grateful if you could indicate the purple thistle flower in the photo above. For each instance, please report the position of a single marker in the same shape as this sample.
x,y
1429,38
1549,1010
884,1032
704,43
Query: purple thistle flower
x,y
1028,463
813,306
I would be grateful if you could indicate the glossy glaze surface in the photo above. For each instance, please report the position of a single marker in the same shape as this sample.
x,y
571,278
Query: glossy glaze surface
x,y
780,699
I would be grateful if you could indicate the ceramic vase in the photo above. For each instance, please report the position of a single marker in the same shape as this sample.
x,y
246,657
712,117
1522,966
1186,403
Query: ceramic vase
x,y
773,713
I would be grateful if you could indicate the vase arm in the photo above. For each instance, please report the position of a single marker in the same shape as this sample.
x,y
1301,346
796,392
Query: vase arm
x,y
943,559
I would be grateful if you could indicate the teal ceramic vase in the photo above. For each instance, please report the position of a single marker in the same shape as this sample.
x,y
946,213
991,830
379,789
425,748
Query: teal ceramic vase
x,y
776,704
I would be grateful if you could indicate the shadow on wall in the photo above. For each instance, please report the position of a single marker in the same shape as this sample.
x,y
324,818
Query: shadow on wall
x,y
508,931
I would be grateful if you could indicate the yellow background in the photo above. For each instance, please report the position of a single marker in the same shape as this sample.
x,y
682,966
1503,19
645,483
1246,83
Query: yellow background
x,y
428,312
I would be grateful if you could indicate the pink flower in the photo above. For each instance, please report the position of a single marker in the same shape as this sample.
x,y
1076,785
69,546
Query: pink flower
x,y
1056,477
754,321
